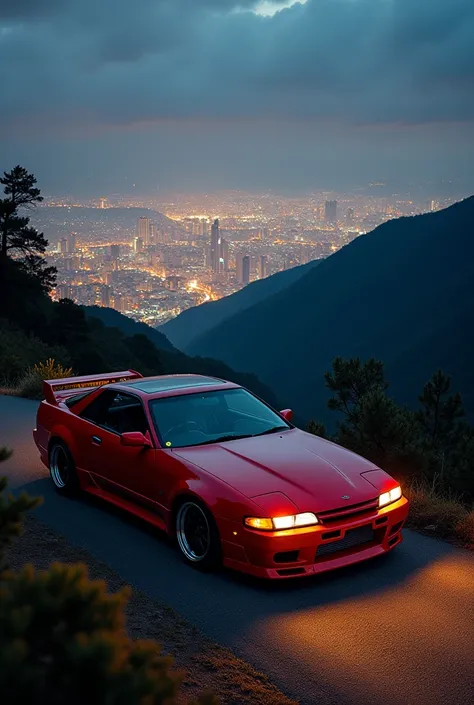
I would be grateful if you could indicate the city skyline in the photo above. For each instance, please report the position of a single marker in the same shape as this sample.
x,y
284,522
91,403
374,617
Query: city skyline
x,y
152,260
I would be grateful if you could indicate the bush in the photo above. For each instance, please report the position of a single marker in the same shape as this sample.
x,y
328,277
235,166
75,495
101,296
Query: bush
x,y
30,385
19,351
63,639
433,510
465,529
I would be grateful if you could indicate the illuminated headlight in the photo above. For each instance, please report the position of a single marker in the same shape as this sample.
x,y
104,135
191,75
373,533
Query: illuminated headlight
x,y
389,497
294,521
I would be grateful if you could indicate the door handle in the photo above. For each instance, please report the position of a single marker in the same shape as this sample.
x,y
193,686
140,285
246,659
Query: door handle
x,y
96,440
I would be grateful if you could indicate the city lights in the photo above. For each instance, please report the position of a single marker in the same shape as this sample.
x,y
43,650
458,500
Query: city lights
x,y
151,260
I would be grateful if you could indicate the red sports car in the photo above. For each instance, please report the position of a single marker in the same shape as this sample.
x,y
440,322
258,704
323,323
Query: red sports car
x,y
211,464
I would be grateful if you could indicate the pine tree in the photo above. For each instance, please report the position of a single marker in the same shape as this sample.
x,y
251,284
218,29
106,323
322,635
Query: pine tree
x,y
18,239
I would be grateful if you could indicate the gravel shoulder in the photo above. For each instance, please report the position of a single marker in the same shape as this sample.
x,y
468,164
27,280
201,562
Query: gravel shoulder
x,y
207,665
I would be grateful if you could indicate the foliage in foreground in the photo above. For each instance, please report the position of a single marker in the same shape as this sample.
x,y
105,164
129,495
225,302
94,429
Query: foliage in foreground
x,y
63,638
432,442
30,384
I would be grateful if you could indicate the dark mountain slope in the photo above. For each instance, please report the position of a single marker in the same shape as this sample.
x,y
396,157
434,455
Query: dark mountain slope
x,y
404,293
195,321
128,326
172,360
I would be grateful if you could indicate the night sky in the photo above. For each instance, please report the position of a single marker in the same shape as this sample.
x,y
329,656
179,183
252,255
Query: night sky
x,y
98,95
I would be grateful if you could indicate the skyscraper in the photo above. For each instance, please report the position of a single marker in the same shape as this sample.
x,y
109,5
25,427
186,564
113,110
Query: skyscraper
x,y
262,267
144,230
105,296
63,245
137,244
223,255
214,249
245,269
71,242
330,212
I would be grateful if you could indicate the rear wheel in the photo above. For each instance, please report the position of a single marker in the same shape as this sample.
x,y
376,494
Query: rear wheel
x,y
197,535
62,469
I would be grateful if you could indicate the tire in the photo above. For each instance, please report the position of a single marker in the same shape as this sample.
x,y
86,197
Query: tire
x,y
197,536
62,469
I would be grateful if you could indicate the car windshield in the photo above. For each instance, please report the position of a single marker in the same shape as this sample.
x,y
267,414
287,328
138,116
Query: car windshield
x,y
212,417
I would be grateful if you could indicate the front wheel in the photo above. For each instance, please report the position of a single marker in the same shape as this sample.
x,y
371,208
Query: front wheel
x,y
197,535
62,469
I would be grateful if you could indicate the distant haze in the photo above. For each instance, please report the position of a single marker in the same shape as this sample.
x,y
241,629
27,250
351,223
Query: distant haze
x,y
104,96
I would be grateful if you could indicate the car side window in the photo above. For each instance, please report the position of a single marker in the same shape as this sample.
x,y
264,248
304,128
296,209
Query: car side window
x,y
117,412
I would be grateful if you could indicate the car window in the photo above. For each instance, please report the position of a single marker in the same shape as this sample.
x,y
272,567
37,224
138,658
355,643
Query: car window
x,y
193,419
116,411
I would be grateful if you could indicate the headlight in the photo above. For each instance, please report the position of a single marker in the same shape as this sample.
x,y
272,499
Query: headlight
x,y
389,497
294,521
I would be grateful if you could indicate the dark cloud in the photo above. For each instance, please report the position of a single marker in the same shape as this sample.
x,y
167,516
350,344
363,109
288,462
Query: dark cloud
x,y
71,67
349,60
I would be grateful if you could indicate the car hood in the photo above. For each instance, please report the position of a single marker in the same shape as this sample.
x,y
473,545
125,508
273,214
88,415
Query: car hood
x,y
313,473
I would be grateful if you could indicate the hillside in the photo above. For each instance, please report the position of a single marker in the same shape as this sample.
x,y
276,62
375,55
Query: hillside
x,y
33,328
403,293
193,322
128,326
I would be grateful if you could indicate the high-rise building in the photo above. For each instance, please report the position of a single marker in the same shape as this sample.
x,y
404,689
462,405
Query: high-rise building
x,y
223,256
143,230
71,242
266,233
63,245
350,215
105,296
215,246
245,269
103,203
137,244
262,267
330,212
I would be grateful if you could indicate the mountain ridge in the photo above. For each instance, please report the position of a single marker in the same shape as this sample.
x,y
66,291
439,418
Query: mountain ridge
x,y
371,298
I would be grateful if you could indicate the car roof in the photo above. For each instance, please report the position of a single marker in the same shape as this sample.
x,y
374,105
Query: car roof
x,y
164,385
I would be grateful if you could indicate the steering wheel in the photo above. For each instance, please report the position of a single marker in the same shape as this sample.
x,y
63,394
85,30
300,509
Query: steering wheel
x,y
186,425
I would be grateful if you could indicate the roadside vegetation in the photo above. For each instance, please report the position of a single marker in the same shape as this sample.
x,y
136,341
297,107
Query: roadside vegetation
x,y
429,449
66,638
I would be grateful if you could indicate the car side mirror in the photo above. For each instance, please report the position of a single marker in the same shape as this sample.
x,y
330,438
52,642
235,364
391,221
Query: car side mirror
x,y
287,414
135,439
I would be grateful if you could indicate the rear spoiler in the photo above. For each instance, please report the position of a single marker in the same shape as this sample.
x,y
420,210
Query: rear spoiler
x,y
54,390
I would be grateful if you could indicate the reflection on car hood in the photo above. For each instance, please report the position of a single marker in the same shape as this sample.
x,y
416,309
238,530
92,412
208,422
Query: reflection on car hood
x,y
315,474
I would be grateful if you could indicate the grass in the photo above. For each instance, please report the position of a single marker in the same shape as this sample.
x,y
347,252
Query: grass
x,y
30,384
207,665
441,514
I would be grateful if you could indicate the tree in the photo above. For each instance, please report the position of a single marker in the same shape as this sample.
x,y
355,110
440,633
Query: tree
x,y
350,380
441,411
18,238
317,428
63,639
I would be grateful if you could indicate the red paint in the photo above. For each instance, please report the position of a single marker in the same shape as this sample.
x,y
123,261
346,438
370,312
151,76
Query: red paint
x,y
272,475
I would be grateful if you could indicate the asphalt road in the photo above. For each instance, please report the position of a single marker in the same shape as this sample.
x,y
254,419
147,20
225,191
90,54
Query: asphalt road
x,y
398,630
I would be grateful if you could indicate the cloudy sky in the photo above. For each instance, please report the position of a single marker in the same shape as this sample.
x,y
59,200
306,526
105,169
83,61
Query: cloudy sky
x,y
99,95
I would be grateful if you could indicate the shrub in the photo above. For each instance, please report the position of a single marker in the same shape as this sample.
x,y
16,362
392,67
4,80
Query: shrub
x,y
431,509
31,383
465,529
19,351
63,639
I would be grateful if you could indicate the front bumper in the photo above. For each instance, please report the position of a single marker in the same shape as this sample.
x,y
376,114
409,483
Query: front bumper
x,y
298,552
